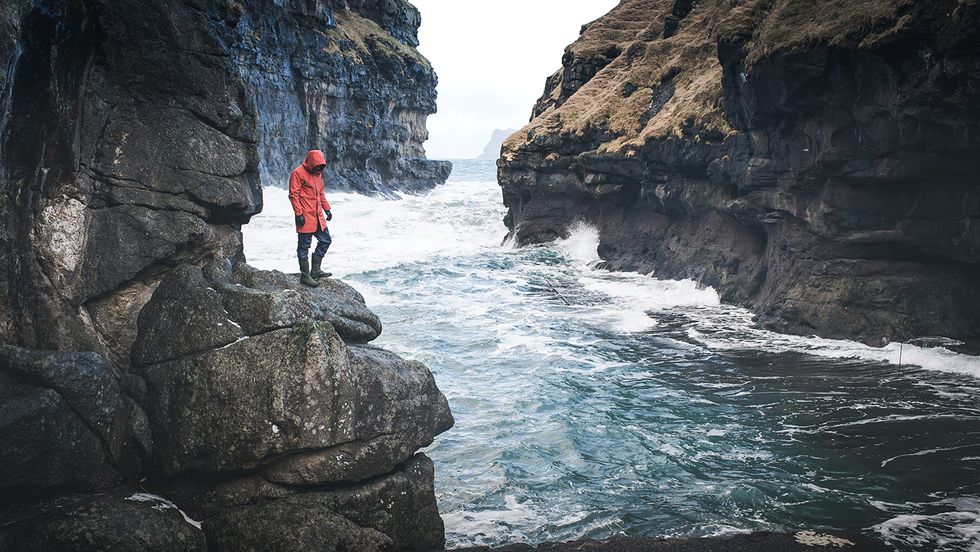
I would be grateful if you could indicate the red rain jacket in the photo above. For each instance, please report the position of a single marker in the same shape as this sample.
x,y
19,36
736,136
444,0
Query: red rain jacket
x,y
306,193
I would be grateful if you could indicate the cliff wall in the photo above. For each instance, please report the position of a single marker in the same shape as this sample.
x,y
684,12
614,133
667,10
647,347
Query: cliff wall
x,y
138,352
344,76
816,162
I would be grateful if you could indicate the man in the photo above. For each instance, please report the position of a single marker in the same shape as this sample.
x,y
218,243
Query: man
x,y
312,213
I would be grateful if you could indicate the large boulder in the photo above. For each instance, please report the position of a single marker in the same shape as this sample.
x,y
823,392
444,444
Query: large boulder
x,y
66,424
121,522
395,512
262,393
297,404
813,161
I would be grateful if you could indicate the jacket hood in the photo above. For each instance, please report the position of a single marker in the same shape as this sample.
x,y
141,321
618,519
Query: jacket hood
x,y
314,158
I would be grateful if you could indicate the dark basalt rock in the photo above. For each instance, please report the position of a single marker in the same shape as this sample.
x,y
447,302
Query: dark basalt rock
x,y
132,139
127,147
394,512
65,424
824,177
344,77
124,522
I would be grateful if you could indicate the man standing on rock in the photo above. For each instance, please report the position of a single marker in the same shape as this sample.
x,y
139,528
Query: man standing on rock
x,y
312,213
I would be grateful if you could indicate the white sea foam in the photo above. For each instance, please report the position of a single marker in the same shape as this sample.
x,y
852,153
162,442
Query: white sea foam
x,y
371,233
957,527
626,296
732,328
582,244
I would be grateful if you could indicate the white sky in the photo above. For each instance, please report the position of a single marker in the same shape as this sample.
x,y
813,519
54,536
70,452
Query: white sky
x,y
492,59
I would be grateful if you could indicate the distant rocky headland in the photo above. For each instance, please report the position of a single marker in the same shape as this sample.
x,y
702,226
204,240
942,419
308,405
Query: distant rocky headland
x,y
492,149
815,162
157,392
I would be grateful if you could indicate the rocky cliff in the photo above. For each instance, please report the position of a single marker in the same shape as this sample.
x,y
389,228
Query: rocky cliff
x,y
816,162
138,352
344,76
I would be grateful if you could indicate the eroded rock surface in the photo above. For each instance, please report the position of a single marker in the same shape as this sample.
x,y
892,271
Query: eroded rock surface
x,y
285,386
65,424
135,522
393,512
818,169
133,139
342,74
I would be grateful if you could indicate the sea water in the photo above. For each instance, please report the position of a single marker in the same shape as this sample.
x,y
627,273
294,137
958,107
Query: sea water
x,y
591,403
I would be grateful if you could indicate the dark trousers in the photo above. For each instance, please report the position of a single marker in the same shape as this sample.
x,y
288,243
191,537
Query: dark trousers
x,y
322,243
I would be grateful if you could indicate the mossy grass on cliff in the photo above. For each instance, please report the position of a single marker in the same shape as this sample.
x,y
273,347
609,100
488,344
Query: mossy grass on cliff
x,y
787,25
656,69
368,38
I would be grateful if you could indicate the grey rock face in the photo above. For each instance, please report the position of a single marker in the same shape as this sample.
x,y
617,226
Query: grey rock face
x,y
132,139
829,185
111,521
66,424
277,387
128,147
394,512
342,77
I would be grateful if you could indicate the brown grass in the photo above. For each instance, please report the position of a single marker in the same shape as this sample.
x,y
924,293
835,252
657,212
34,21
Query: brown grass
x,y
793,24
690,58
358,30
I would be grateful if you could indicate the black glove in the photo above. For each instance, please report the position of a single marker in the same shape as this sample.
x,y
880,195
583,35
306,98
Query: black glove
x,y
329,214
300,221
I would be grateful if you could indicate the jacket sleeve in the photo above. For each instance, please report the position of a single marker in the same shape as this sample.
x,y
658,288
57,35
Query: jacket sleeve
x,y
294,186
323,198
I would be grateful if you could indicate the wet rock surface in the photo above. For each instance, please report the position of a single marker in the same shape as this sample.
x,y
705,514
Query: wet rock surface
x,y
820,172
134,137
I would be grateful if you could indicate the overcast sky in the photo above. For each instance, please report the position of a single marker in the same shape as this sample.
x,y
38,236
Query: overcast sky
x,y
492,59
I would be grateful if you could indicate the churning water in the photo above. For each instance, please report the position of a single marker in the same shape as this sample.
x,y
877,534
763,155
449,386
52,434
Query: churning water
x,y
591,403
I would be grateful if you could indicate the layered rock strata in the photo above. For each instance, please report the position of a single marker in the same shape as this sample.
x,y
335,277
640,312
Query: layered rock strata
x,y
343,76
137,351
814,162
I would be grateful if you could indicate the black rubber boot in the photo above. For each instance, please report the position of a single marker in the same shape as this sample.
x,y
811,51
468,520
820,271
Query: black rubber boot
x,y
317,273
304,277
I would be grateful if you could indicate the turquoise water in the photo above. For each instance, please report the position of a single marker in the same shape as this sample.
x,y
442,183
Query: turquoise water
x,y
592,404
